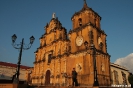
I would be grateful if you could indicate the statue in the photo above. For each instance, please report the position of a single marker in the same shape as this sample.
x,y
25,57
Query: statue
x,y
53,16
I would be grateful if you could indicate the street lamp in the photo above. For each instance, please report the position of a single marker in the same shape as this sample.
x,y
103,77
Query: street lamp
x,y
20,46
92,47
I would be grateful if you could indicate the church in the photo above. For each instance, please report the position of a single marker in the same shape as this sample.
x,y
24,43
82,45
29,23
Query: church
x,y
84,48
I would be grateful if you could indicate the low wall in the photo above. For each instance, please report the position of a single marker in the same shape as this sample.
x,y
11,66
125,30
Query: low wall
x,y
25,86
78,87
13,86
8,85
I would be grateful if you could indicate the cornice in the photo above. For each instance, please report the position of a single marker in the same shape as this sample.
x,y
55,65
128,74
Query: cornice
x,y
118,66
54,30
55,41
61,55
101,52
82,27
53,57
52,43
39,61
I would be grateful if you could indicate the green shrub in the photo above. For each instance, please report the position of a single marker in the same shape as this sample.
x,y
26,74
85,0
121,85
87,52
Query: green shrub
x,y
130,79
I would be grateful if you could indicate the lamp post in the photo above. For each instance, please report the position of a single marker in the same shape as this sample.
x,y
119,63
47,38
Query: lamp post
x,y
21,47
92,47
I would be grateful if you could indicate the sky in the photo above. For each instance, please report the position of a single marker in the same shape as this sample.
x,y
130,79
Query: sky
x,y
28,17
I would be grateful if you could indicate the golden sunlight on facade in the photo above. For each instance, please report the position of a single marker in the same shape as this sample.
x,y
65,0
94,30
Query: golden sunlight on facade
x,y
83,48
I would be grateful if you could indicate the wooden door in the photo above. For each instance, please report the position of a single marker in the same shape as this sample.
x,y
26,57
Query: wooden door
x,y
47,77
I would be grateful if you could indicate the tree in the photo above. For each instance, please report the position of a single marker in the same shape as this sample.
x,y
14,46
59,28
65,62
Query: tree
x,y
130,79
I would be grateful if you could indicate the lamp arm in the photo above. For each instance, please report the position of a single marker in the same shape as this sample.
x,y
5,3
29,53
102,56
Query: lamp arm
x,y
26,47
16,46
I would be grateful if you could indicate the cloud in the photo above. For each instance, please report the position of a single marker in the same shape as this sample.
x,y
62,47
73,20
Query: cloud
x,y
126,62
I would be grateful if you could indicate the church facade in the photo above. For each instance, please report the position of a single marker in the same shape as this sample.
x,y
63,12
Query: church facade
x,y
83,48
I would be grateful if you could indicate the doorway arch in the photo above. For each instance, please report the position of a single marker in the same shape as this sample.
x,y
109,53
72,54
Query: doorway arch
x,y
47,77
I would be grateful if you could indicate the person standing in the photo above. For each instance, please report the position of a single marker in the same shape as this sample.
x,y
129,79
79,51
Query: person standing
x,y
74,78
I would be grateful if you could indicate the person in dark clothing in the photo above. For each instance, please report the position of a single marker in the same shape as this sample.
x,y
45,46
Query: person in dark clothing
x,y
74,78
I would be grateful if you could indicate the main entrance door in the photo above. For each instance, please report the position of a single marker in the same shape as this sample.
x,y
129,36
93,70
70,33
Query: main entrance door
x,y
47,77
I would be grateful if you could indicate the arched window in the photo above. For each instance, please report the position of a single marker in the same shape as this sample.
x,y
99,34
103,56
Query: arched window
x,y
80,22
91,36
124,78
49,58
116,77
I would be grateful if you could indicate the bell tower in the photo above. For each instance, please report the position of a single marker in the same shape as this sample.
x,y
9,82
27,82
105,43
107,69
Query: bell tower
x,y
86,23
84,16
86,33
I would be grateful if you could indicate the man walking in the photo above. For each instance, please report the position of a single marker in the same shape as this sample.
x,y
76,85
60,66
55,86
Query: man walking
x,y
74,78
